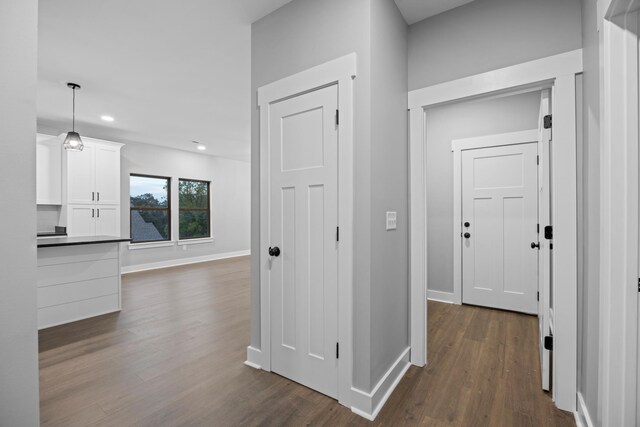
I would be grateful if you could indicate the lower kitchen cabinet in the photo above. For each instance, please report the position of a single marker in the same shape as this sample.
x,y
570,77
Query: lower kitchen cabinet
x,y
93,220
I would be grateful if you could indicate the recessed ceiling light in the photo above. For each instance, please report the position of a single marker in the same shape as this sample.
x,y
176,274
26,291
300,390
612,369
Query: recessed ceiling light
x,y
107,118
200,145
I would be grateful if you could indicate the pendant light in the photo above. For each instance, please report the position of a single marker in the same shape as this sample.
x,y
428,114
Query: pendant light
x,y
73,141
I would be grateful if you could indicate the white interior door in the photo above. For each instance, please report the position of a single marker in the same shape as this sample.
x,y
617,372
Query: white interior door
x,y
499,215
303,160
544,215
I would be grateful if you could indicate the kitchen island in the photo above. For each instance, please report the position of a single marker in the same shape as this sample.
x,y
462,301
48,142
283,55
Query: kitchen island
x,y
78,278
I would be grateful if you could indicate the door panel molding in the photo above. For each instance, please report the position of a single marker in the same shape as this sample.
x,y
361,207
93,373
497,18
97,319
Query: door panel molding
x,y
340,72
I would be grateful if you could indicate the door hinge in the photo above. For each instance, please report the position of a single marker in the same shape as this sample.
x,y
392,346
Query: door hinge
x,y
638,285
537,160
538,296
337,350
337,234
538,228
548,121
548,343
548,232
337,117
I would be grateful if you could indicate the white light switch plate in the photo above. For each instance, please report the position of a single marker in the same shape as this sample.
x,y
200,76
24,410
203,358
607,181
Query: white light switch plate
x,y
392,220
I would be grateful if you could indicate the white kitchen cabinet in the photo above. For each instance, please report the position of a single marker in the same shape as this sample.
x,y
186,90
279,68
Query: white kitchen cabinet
x,y
93,220
48,170
107,177
91,189
80,175
107,220
92,176
81,220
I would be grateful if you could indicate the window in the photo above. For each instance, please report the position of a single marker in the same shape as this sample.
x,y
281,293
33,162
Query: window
x,y
150,208
194,209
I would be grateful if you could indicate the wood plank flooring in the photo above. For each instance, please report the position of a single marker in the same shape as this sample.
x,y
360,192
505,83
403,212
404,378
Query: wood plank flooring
x,y
174,357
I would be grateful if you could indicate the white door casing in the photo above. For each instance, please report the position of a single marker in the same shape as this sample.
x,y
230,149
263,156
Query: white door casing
x,y
557,71
340,72
303,146
544,219
500,207
619,215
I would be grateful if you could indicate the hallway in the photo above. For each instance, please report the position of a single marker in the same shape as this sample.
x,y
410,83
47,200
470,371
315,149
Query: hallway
x,y
174,357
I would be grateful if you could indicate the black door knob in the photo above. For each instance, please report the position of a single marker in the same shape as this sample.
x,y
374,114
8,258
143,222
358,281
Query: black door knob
x,y
535,245
275,251
467,224
467,235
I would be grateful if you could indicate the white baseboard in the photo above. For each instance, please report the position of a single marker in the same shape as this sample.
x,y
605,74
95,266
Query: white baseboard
x,y
582,417
368,405
254,358
440,296
182,261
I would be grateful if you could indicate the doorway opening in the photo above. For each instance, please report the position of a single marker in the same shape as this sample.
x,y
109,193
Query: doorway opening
x,y
557,74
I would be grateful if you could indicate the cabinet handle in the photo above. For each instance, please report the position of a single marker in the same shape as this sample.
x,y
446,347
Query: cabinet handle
x,y
98,213
93,196
93,213
98,196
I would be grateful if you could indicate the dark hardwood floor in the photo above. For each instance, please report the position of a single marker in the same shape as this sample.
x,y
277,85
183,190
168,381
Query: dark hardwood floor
x,y
174,357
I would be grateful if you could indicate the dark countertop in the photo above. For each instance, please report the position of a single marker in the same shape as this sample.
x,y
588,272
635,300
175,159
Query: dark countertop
x,y
74,241
56,232
51,234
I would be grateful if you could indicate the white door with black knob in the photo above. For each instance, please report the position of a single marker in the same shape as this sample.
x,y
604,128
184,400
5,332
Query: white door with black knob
x,y
303,210
499,231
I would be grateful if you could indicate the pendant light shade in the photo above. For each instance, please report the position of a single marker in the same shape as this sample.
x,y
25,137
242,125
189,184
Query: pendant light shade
x,y
73,140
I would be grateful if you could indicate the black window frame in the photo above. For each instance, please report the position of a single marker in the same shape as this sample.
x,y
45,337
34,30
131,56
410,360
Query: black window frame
x,y
168,209
208,209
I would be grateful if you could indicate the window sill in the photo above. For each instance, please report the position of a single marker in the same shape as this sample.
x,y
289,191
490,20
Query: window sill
x,y
195,241
142,245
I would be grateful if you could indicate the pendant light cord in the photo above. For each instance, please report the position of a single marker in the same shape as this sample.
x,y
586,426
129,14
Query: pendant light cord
x,y
73,120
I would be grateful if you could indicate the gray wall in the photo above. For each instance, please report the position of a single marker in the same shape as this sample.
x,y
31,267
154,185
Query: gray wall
x,y
389,187
589,288
456,121
306,33
230,199
489,34
19,402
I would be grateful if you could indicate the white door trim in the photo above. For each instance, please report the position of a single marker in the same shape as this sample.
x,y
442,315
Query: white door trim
x,y
619,213
341,72
559,70
458,146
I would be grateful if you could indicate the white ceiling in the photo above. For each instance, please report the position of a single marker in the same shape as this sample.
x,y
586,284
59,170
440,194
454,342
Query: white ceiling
x,y
169,72
417,10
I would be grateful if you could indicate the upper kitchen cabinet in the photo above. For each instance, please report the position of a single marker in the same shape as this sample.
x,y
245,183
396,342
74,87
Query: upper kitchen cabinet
x,y
92,176
48,170
80,175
